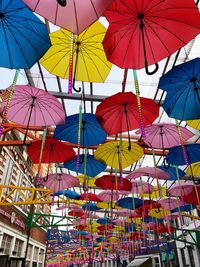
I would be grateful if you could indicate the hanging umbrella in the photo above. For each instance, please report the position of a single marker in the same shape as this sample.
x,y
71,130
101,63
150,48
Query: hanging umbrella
x,y
171,170
60,181
90,63
181,189
170,203
23,36
90,197
193,169
73,15
176,156
90,206
111,182
194,124
91,131
108,195
139,187
182,86
84,179
117,154
157,193
93,166
141,33
186,208
159,213
148,171
68,193
54,151
129,203
32,106
119,113
164,135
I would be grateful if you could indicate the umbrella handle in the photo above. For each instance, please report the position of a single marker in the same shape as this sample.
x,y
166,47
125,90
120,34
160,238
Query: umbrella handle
x,y
74,88
45,179
166,165
153,71
194,181
62,3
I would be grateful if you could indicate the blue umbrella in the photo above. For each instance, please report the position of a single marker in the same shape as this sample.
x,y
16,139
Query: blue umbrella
x,y
104,220
90,206
152,219
68,193
93,166
91,131
186,208
182,84
176,157
130,203
23,36
171,170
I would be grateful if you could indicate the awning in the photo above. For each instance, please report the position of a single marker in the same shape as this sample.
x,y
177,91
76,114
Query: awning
x,y
137,262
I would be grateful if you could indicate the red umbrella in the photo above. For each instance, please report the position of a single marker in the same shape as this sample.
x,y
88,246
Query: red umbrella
x,y
193,197
111,182
90,197
54,151
142,33
76,213
119,113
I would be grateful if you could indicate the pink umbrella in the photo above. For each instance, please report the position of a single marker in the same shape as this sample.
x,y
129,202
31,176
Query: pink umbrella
x,y
181,189
164,135
172,216
60,181
149,171
139,187
109,195
125,213
171,203
35,107
120,222
73,15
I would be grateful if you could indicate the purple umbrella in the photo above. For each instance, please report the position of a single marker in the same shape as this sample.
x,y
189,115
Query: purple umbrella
x,y
61,181
171,203
148,171
165,135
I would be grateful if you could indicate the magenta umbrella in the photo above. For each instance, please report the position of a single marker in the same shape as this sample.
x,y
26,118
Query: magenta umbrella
x,y
139,187
150,172
60,181
171,203
181,189
164,135
110,195
73,15
34,107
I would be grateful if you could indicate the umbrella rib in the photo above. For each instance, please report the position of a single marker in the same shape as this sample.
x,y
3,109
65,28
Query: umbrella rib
x,y
7,44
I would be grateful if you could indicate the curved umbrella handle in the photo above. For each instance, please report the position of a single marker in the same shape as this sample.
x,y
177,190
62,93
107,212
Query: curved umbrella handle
x,y
46,178
74,88
151,72
62,3
166,165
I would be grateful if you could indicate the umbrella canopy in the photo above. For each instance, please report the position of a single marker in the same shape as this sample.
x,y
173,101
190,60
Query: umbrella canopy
x,y
90,206
176,156
164,135
54,151
91,131
73,15
34,107
23,36
90,63
194,169
119,113
90,197
194,124
108,196
130,203
118,153
182,86
186,208
86,180
93,166
141,33
170,203
159,213
139,187
111,182
148,171
172,171
68,193
193,197
181,189
60,181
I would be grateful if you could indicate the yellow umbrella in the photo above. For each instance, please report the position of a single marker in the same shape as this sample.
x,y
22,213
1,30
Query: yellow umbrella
x,y
90,181
155,193
86,50
115,153
159,213
104,205
194,169
194,124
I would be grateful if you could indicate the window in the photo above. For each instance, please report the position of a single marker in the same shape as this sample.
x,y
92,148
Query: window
x,y
29,253
35,254
191,255
41,255
8,169
18,247
6,243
